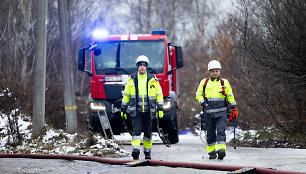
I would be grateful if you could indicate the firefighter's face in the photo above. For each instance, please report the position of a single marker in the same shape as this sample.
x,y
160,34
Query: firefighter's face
x,y
142,69
215,73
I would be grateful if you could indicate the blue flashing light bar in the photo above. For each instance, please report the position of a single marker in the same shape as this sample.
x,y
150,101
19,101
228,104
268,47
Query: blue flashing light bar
x,y
159,32
100,33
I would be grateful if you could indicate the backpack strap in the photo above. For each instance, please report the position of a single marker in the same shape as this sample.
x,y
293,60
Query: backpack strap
x,y
223,88
204,86
223,91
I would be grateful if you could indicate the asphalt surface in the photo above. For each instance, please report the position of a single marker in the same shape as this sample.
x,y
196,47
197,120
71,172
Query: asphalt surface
x,y
188,150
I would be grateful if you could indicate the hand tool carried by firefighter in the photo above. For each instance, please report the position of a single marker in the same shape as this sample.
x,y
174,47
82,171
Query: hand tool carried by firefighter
x,y
203,126
234,134
233,119
125,124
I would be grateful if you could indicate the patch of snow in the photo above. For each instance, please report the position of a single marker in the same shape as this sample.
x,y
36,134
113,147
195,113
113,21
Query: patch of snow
x,y
54,141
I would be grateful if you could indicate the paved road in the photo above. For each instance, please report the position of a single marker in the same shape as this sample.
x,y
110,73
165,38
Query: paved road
x,y
188,150
193,150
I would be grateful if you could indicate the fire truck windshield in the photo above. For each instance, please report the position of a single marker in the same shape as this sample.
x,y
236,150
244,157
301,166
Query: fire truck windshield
x,y
119,57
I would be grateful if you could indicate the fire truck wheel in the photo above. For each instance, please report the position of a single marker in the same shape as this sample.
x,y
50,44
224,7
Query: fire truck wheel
x,y
172,129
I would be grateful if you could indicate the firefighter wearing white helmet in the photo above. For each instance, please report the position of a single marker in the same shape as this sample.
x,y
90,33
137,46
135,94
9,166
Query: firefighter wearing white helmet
x,y
142,60
214,64
216,97
144,96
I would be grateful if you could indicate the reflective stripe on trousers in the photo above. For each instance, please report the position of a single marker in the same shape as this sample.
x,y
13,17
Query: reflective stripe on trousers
x,y
147,144
136,142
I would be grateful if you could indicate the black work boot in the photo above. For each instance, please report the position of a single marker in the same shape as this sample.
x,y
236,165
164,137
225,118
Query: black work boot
x,y
212,155
221,154
147,155
135,154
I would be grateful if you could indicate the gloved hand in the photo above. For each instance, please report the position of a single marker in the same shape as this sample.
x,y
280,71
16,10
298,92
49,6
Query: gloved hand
x,y
159,114
235,113
231,118
123,115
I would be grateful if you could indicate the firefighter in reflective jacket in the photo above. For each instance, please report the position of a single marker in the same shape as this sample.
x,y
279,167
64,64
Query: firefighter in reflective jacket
x,y
216,96
144,96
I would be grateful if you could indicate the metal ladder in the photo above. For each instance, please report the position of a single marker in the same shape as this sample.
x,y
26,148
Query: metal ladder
x,y
105,123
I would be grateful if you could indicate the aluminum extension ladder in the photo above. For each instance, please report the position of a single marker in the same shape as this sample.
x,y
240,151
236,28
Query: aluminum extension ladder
x,y
105,123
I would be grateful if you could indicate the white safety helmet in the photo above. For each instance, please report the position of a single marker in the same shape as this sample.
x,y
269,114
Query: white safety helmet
x,y
214,64
142,58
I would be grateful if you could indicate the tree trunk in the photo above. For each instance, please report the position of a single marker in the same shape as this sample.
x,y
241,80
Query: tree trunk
x,y
69,98
40,68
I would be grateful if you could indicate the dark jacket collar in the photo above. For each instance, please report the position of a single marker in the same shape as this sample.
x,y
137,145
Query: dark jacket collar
x,y
212,79
134,75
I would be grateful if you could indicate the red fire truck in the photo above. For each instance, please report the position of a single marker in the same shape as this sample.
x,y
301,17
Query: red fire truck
x,y
113,60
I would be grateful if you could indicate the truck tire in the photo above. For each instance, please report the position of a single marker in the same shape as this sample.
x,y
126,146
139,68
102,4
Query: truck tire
x,y
172,128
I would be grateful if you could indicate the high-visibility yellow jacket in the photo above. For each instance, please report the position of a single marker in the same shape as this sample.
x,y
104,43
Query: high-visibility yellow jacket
x,y
149,95
216,104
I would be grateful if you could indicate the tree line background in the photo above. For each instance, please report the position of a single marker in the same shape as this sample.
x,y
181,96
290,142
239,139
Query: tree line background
x,y
261,45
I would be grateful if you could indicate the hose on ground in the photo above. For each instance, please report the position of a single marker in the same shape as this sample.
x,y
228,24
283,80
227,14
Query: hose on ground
x,y
150,162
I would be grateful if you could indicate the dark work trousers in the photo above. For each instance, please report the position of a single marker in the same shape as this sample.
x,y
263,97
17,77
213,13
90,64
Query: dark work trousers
x,y
142,122
216,130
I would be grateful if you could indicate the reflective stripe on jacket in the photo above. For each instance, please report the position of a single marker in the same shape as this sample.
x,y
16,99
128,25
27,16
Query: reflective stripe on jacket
x,y
154,97
215,99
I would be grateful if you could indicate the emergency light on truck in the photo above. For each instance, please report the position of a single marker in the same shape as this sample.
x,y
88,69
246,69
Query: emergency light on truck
x,y
100,33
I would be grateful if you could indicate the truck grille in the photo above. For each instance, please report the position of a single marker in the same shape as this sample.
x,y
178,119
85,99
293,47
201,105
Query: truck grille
x,y
113,91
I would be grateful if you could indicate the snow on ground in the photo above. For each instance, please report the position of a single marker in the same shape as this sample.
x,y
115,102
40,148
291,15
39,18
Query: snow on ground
x,y
54,141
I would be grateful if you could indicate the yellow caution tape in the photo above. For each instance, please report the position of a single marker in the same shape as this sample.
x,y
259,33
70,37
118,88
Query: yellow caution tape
x,y
70,107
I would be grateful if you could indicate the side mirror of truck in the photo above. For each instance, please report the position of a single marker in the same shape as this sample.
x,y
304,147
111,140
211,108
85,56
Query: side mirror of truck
x,y
81,61
179,57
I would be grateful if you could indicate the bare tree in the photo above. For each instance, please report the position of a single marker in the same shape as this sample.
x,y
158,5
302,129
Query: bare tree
x,y
40,68
271,37
17,48
69,94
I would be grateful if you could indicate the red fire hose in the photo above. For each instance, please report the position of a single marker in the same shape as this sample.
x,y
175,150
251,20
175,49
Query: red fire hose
x,y
150,162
